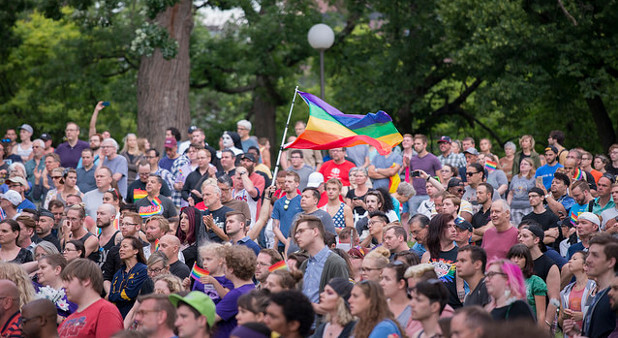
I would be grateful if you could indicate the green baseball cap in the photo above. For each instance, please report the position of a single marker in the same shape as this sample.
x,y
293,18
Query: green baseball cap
x,y
199,301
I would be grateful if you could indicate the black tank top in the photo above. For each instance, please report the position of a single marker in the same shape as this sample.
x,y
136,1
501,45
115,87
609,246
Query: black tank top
x,y
94,256
104,250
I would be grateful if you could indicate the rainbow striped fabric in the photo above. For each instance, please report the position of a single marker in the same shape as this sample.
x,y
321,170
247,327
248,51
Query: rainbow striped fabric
x,y
329,128
197,272
491,165
154,208
280,265
577,175
138,194
156,245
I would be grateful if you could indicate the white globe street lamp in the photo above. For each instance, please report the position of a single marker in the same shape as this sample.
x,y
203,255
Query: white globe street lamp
x,y
321,37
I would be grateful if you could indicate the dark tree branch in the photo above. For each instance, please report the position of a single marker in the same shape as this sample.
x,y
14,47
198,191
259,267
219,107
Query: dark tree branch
x,y
566,13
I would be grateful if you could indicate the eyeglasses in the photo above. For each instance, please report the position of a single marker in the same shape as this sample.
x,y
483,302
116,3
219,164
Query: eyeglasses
x,y
157,270
491,274
129,224
469,174
24,320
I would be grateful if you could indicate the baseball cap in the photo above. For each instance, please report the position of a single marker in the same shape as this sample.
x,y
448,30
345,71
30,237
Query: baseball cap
x,y
537,232
249,157
170,142
463,224
12,196
46,213
444,139
17,179
45,137
454,182
192,129
314,180
588,216
552,148
200,302
27,127
472,151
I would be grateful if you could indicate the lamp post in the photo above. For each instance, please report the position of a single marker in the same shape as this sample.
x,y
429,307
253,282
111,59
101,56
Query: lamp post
x,y
321,37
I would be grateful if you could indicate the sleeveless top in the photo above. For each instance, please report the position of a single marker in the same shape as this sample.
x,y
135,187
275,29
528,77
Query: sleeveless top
x,y
104,250
338,218
94,256
21,151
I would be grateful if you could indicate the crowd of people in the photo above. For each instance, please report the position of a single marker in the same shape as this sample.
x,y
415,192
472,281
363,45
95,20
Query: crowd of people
x,y
200,241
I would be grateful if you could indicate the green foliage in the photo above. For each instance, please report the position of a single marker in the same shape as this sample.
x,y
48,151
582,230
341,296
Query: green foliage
x,y
152,36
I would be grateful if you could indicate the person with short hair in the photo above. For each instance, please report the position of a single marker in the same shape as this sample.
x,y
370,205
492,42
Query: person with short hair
x,y
71,150
94,198
38,319
155,227
236,228
428,301
116,163
546,172
155,203
243,127
94,317
340,213
470,322
240,265
396,239
544,217
338,167
155,316
290,314
144,170
299,166
265,259
285,209
195,315
470,266
498,240
85,173
44,227
214,218
73,228
170,246
599,320
10,317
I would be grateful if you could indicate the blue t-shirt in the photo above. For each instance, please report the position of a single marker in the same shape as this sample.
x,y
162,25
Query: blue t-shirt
x,y
384,329
547,173
227,310
577,209
385,162
286,215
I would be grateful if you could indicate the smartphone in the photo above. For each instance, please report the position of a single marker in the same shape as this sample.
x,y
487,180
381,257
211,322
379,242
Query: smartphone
x,y
105,103
416,173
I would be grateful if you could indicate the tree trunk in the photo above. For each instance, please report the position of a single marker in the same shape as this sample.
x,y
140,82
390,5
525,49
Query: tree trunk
x,y
163,85
264,112
605,128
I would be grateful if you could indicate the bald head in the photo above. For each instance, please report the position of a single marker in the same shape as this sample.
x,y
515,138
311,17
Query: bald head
x,y
107,208
8,290
170,245
41,315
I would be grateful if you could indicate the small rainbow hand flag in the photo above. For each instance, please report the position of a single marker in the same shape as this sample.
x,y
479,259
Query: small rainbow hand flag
x,y
138,194
280,265
197,272
156,245
577,175
491,165
574,217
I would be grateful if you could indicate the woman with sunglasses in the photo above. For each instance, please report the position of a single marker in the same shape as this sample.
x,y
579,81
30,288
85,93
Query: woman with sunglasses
x,y
368,304
505,284
57,175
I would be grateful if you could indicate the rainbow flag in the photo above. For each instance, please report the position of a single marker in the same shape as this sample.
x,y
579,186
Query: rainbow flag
x,y
138,194
393,181
280,265
491,165
154,208
197,272
156,245
574,217
577,175
329,128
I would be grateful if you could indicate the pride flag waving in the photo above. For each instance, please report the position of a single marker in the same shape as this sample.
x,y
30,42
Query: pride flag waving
x,y
329,128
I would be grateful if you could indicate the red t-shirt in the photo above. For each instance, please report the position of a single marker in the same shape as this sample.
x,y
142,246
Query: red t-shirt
x,y
340,171
99,320
497,244
12,328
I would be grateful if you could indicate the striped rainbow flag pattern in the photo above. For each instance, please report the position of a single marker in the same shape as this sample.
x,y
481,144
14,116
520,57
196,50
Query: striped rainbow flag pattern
x,y
329,128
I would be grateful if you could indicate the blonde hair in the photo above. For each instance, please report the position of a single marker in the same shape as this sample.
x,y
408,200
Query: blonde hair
x,y
16,274
216,248
381,256
209,181
173,282
419,270
343,313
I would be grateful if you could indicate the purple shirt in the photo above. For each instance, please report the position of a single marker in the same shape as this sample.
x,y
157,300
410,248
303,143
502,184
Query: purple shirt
x,y
210,290
428,163
69,156
227,310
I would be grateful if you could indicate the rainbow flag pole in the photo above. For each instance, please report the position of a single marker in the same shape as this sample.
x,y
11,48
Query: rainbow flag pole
x,y
285,132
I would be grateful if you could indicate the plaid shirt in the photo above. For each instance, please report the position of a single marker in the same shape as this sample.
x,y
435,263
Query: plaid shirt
x,y
456,160
179,163
166,176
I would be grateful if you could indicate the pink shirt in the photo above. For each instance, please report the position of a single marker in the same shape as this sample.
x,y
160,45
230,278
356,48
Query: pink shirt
x,y
497,244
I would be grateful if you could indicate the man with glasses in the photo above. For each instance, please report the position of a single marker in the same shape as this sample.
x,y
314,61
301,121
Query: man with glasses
x,y
71,150
604,198
37,162
191,188
243,127
10,317
152,156
139,186
322,264
19,185
94,198
300,167
377,222
484,197
475,174
226,185
85,173
155,316
38,319
73,228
